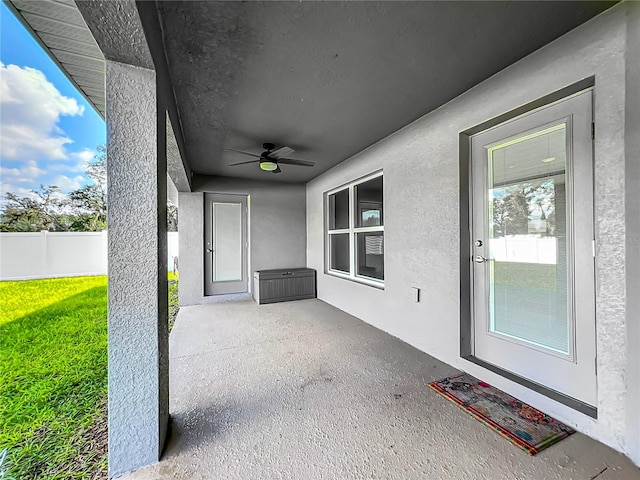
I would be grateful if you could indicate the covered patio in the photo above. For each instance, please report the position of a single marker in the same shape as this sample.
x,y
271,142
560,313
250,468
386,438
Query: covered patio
x,y
304,390
387,118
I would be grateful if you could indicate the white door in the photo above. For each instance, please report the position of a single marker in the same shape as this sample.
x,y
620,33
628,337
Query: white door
x,y
225,244
533,261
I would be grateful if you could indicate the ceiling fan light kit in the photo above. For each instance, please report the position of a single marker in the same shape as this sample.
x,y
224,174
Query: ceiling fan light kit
x,y
270,159
268,166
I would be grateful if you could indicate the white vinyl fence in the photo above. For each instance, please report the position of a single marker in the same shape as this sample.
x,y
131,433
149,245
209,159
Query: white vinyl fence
x,y
524,249
59,254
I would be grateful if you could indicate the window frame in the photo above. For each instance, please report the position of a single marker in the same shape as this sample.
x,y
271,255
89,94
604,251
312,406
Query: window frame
x,y
352,232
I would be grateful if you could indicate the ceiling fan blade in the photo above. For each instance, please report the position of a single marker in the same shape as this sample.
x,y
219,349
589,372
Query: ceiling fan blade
x,y
242,163
281,152
277,170
293,161
240,151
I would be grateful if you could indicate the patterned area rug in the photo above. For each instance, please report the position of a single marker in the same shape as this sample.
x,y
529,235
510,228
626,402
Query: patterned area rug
x,y
526,427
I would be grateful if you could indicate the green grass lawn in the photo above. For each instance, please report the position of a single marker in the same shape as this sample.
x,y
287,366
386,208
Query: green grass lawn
x,y
173,302
529,275
53,372
53,377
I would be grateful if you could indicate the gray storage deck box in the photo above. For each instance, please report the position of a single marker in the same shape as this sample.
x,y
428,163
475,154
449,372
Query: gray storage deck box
x,y
270,286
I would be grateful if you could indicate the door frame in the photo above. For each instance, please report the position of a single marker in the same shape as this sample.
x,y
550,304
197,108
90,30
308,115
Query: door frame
x,y
466,245
243,200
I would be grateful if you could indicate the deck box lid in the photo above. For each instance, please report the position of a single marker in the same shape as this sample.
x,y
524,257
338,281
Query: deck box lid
x,y
283,273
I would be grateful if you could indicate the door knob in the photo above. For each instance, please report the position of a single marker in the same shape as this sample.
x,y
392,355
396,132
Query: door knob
x,y
479,259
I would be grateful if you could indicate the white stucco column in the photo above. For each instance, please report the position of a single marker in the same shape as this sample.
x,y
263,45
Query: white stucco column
x,y
138,338
632,227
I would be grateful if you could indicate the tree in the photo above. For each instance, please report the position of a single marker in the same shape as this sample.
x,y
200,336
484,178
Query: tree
x,y
89,202
82,210
510,212
172,217
543,197
47,208
499,214
42,210
517,222
514,206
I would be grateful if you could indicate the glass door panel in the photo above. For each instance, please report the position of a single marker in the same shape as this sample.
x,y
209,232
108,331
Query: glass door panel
x,y
227,234
527,218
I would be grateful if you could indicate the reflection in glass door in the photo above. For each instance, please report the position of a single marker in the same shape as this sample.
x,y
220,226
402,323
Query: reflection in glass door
x,y
532,257
527,217
227,242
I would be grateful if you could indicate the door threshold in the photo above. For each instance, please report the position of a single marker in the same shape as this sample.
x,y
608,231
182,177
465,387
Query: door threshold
x,y
227,297
570,402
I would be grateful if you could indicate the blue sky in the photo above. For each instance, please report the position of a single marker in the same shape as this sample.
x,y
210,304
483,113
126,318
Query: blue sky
x,y
47,129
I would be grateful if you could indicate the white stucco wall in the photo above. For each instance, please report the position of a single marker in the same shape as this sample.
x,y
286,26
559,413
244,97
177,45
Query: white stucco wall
x,y
421,191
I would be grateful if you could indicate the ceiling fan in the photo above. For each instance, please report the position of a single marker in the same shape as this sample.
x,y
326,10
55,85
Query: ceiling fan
x,y
271,158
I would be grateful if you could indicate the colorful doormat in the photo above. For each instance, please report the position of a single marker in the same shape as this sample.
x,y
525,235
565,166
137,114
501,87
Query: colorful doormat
x,y
526,427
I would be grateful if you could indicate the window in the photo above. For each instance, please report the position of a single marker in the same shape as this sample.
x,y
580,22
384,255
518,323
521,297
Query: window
x,y
355,231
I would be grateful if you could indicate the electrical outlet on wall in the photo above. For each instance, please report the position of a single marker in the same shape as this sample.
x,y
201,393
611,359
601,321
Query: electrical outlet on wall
x,y
415,294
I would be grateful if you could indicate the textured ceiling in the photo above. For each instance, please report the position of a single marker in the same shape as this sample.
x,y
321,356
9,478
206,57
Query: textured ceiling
x,y
331,78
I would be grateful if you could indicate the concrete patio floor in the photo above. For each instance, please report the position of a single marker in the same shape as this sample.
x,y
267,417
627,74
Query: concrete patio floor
x,y
301,390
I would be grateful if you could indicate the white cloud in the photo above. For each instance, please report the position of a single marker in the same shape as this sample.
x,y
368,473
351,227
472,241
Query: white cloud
x,y
9,172
24,174
85,155
76,162
67,184
31,107
19,191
